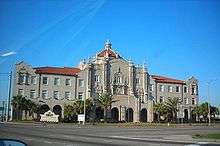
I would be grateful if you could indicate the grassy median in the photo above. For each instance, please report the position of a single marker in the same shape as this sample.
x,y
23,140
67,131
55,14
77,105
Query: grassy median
x,y
207,136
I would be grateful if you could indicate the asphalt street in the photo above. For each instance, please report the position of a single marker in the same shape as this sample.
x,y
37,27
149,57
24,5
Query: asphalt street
x,y
37,134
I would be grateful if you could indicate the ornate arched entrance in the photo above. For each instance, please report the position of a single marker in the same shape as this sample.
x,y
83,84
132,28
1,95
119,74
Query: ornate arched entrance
x,y
57,109
143,115
129,115
114,114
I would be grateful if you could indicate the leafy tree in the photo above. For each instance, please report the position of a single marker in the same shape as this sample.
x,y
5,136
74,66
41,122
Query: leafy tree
x,y
69,112
105,100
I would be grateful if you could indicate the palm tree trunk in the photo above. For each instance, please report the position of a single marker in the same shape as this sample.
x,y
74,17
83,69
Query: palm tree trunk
x,y
105,113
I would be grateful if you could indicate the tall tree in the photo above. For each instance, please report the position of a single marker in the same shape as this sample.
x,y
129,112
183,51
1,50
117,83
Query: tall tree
x,y
160,109
17,103
172,107
105,100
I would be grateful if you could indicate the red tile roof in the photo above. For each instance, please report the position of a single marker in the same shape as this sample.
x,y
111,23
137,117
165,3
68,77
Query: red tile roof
x,y
57,70
163,79
107,52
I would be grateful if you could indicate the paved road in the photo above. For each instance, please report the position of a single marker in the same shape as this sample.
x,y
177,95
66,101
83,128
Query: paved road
x,y
73,135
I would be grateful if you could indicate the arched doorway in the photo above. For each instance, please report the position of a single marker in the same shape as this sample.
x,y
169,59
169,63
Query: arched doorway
x,y
114,114
57,109
129,115
185,115
143,115
99,112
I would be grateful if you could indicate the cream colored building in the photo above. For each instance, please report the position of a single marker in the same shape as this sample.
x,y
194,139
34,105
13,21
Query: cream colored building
x,y
132,86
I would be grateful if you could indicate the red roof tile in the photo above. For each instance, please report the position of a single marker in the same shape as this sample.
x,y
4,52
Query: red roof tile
x,y
107,52
163,79
58,71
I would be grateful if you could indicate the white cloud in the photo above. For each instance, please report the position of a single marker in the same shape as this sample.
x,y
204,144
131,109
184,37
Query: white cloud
x,y
8,54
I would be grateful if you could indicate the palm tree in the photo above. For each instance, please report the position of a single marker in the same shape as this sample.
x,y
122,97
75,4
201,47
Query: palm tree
x,y
160,109
172,107
105,100
196,111
17,103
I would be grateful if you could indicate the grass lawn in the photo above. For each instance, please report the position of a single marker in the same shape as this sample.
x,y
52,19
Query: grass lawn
x,y
207,136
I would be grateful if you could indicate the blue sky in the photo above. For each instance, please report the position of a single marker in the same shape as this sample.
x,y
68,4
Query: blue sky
x,y
175,38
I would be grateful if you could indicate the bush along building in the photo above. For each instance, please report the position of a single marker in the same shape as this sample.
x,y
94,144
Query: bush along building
x,y
133,89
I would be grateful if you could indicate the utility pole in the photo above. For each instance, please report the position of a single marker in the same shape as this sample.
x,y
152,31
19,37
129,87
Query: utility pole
x,y
209,99
9,97
209,108
84,108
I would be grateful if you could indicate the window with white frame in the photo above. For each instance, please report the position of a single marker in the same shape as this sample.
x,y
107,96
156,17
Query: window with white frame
x,y
81,83
170,89
151,87
56,95
185,89
80,95
193,101
68,82
21,78
44,94
97,79
193,89
32,94
45,80
177,89
161,88
56,81
161,99
118,79
67,95
33,80
20,92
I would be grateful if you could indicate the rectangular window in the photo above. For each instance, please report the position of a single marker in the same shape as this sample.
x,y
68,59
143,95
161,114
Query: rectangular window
x,y
67,95
45,80
56,95
56,81
161,99
178,89
193,101
97,78
32,94
119,80
21,79
33,80
161,88
170,89
80,95
68,82
45,94
193,89
81,83
185,89
137,81
21,92
151,87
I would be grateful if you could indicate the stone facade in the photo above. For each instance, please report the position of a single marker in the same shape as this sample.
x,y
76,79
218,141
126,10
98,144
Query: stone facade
x,y
132,86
